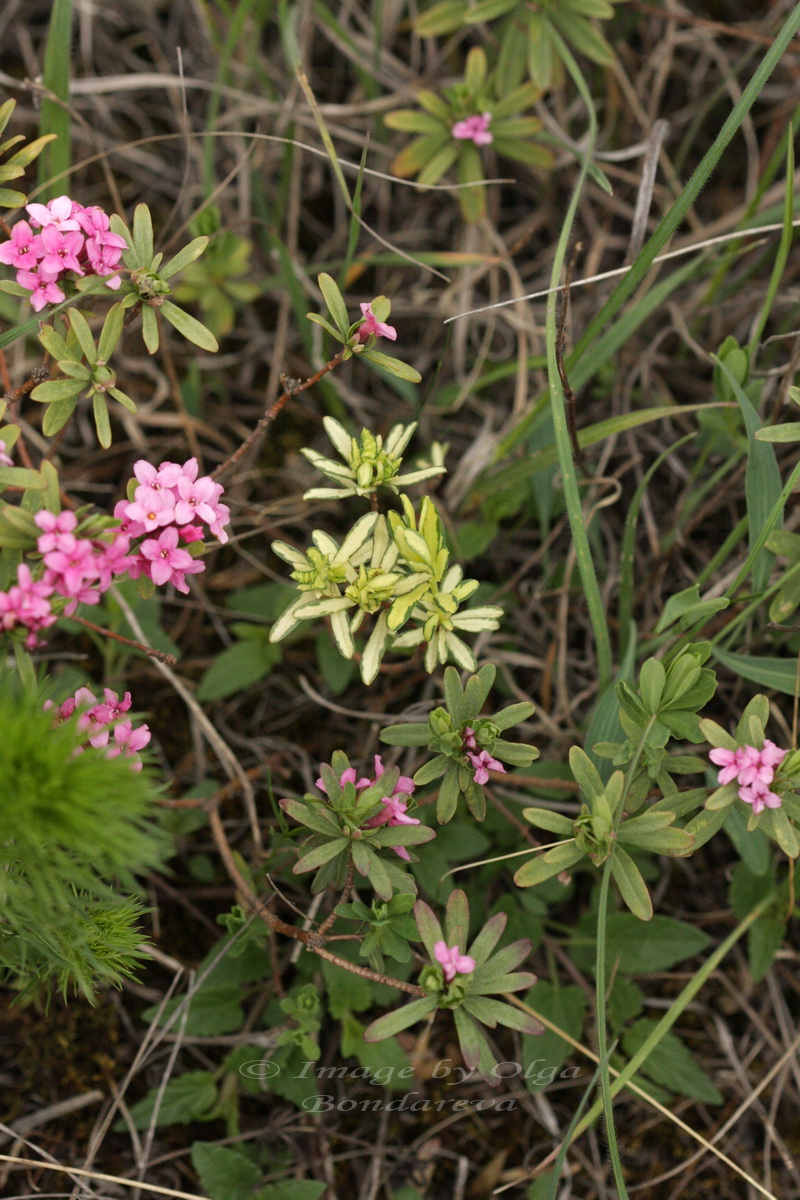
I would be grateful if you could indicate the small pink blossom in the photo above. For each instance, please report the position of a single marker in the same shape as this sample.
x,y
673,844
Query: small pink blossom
x,y
483,764
452,961
759,795
154,511
196,501
474,129
62,250
24,249
166,562
5,459
372,325
58,212
43,290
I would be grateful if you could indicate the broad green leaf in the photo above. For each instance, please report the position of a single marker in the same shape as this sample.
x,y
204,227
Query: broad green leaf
x,y
237,668
633,888
334,301
636,947
395,1022
778,674
57,389
224,1173
188,327
143,234
182,259
670,1063
101,421
393,365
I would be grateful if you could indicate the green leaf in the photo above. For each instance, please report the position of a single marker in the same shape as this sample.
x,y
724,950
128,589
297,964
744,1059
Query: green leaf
x,y
670,1063
291,1189
393,365
150,328
639,948
57,415
237,668
544,1055
111,331
545,866
188,1098
395,1022
57,389
545,818
585,773
334,301
789,432
143,234
779,674
633,888
101,421
762,479
225,1174
188,327
80,327
182,259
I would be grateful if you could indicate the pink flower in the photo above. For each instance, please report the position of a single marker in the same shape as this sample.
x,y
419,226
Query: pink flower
x,y
483,764
759,795
54,527
112,558
128,526
474,129
56,212
62,250
191,533
5,459
348,776
452,961
43,290
154,510
24,249
371,325
166,563
731,762
196,500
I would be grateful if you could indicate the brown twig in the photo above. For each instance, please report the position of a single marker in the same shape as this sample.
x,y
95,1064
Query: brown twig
x,y
311,939
293,387
169,659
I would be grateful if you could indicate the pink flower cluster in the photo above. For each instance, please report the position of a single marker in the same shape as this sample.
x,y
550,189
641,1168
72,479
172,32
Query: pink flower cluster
x,y
103,723
72,238
394,806
754,770
481,760
26,603
474,129
452,961
171,503
80,569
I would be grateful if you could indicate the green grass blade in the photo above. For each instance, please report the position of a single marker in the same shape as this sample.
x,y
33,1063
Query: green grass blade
x,y
56,158
625,603
762,484
783,249
572,499
691,191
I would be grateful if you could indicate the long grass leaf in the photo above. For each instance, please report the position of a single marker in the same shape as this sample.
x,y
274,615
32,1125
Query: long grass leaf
x,y
762,483
56,158
783,249
674,218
